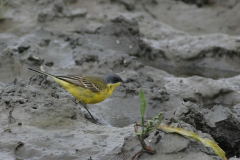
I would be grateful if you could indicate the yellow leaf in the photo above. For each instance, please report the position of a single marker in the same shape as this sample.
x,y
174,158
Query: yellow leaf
x,y
206,142
217,150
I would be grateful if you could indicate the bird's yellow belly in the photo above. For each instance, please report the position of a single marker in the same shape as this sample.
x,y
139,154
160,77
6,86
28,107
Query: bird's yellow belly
x,y
89,97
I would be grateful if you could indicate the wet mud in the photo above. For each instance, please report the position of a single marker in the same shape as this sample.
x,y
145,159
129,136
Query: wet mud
x,y
186,63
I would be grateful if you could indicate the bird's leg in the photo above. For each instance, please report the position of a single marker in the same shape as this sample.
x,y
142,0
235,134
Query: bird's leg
x,y
85,106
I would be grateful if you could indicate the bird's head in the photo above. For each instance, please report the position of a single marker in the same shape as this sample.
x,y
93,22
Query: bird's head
x,y
113,80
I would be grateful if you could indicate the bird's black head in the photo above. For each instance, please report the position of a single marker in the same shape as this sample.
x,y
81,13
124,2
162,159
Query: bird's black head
x,y
112,78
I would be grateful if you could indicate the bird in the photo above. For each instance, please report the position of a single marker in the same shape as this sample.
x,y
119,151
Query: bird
x,y
87,89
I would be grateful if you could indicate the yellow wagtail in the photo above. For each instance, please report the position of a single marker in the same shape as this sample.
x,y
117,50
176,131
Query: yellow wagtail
x,y
87,89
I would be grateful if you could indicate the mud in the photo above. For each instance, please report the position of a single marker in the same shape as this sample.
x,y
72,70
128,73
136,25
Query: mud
x,y
186,62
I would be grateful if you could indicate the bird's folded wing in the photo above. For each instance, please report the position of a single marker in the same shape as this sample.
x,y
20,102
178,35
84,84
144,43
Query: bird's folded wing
x,y
81,81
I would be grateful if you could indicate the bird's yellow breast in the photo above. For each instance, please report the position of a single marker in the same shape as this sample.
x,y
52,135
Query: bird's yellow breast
x,y
85,95
88,96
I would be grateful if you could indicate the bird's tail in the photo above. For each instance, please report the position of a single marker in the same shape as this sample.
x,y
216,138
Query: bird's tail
x,y
65,84
42,72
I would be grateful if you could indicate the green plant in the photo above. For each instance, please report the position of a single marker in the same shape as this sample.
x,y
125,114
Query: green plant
x,y
150,127
3,8
146,128
143,106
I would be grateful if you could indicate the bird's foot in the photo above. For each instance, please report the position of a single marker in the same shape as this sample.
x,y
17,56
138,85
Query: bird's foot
x,y
91,119
88,116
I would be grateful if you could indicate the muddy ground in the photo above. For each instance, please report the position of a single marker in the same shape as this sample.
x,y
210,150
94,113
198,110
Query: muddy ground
x,y
184,54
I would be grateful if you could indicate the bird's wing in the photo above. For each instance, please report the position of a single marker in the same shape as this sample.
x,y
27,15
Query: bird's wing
x,y
93,83
89,82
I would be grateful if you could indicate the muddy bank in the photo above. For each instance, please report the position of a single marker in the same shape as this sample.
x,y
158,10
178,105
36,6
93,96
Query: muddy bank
x,y
187,69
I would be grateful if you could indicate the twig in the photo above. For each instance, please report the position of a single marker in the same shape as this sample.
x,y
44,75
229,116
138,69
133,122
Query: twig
x,y
10,117
20,144
147,10
139,124
90,158
142,151
147,149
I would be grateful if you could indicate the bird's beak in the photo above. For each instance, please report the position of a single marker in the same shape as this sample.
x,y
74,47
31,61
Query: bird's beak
x,y
114,85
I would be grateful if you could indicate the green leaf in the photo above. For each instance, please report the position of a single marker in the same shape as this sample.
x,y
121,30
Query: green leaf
x,y
143,108
150,128
3,8
159,118
142,102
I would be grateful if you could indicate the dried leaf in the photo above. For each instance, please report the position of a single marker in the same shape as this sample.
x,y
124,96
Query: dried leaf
x,y
206,142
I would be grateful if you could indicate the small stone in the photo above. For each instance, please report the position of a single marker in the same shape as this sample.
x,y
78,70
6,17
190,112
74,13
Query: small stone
x,y
23,47
49,64
79,62
44,42
42,16
80,12
70,1
35,59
